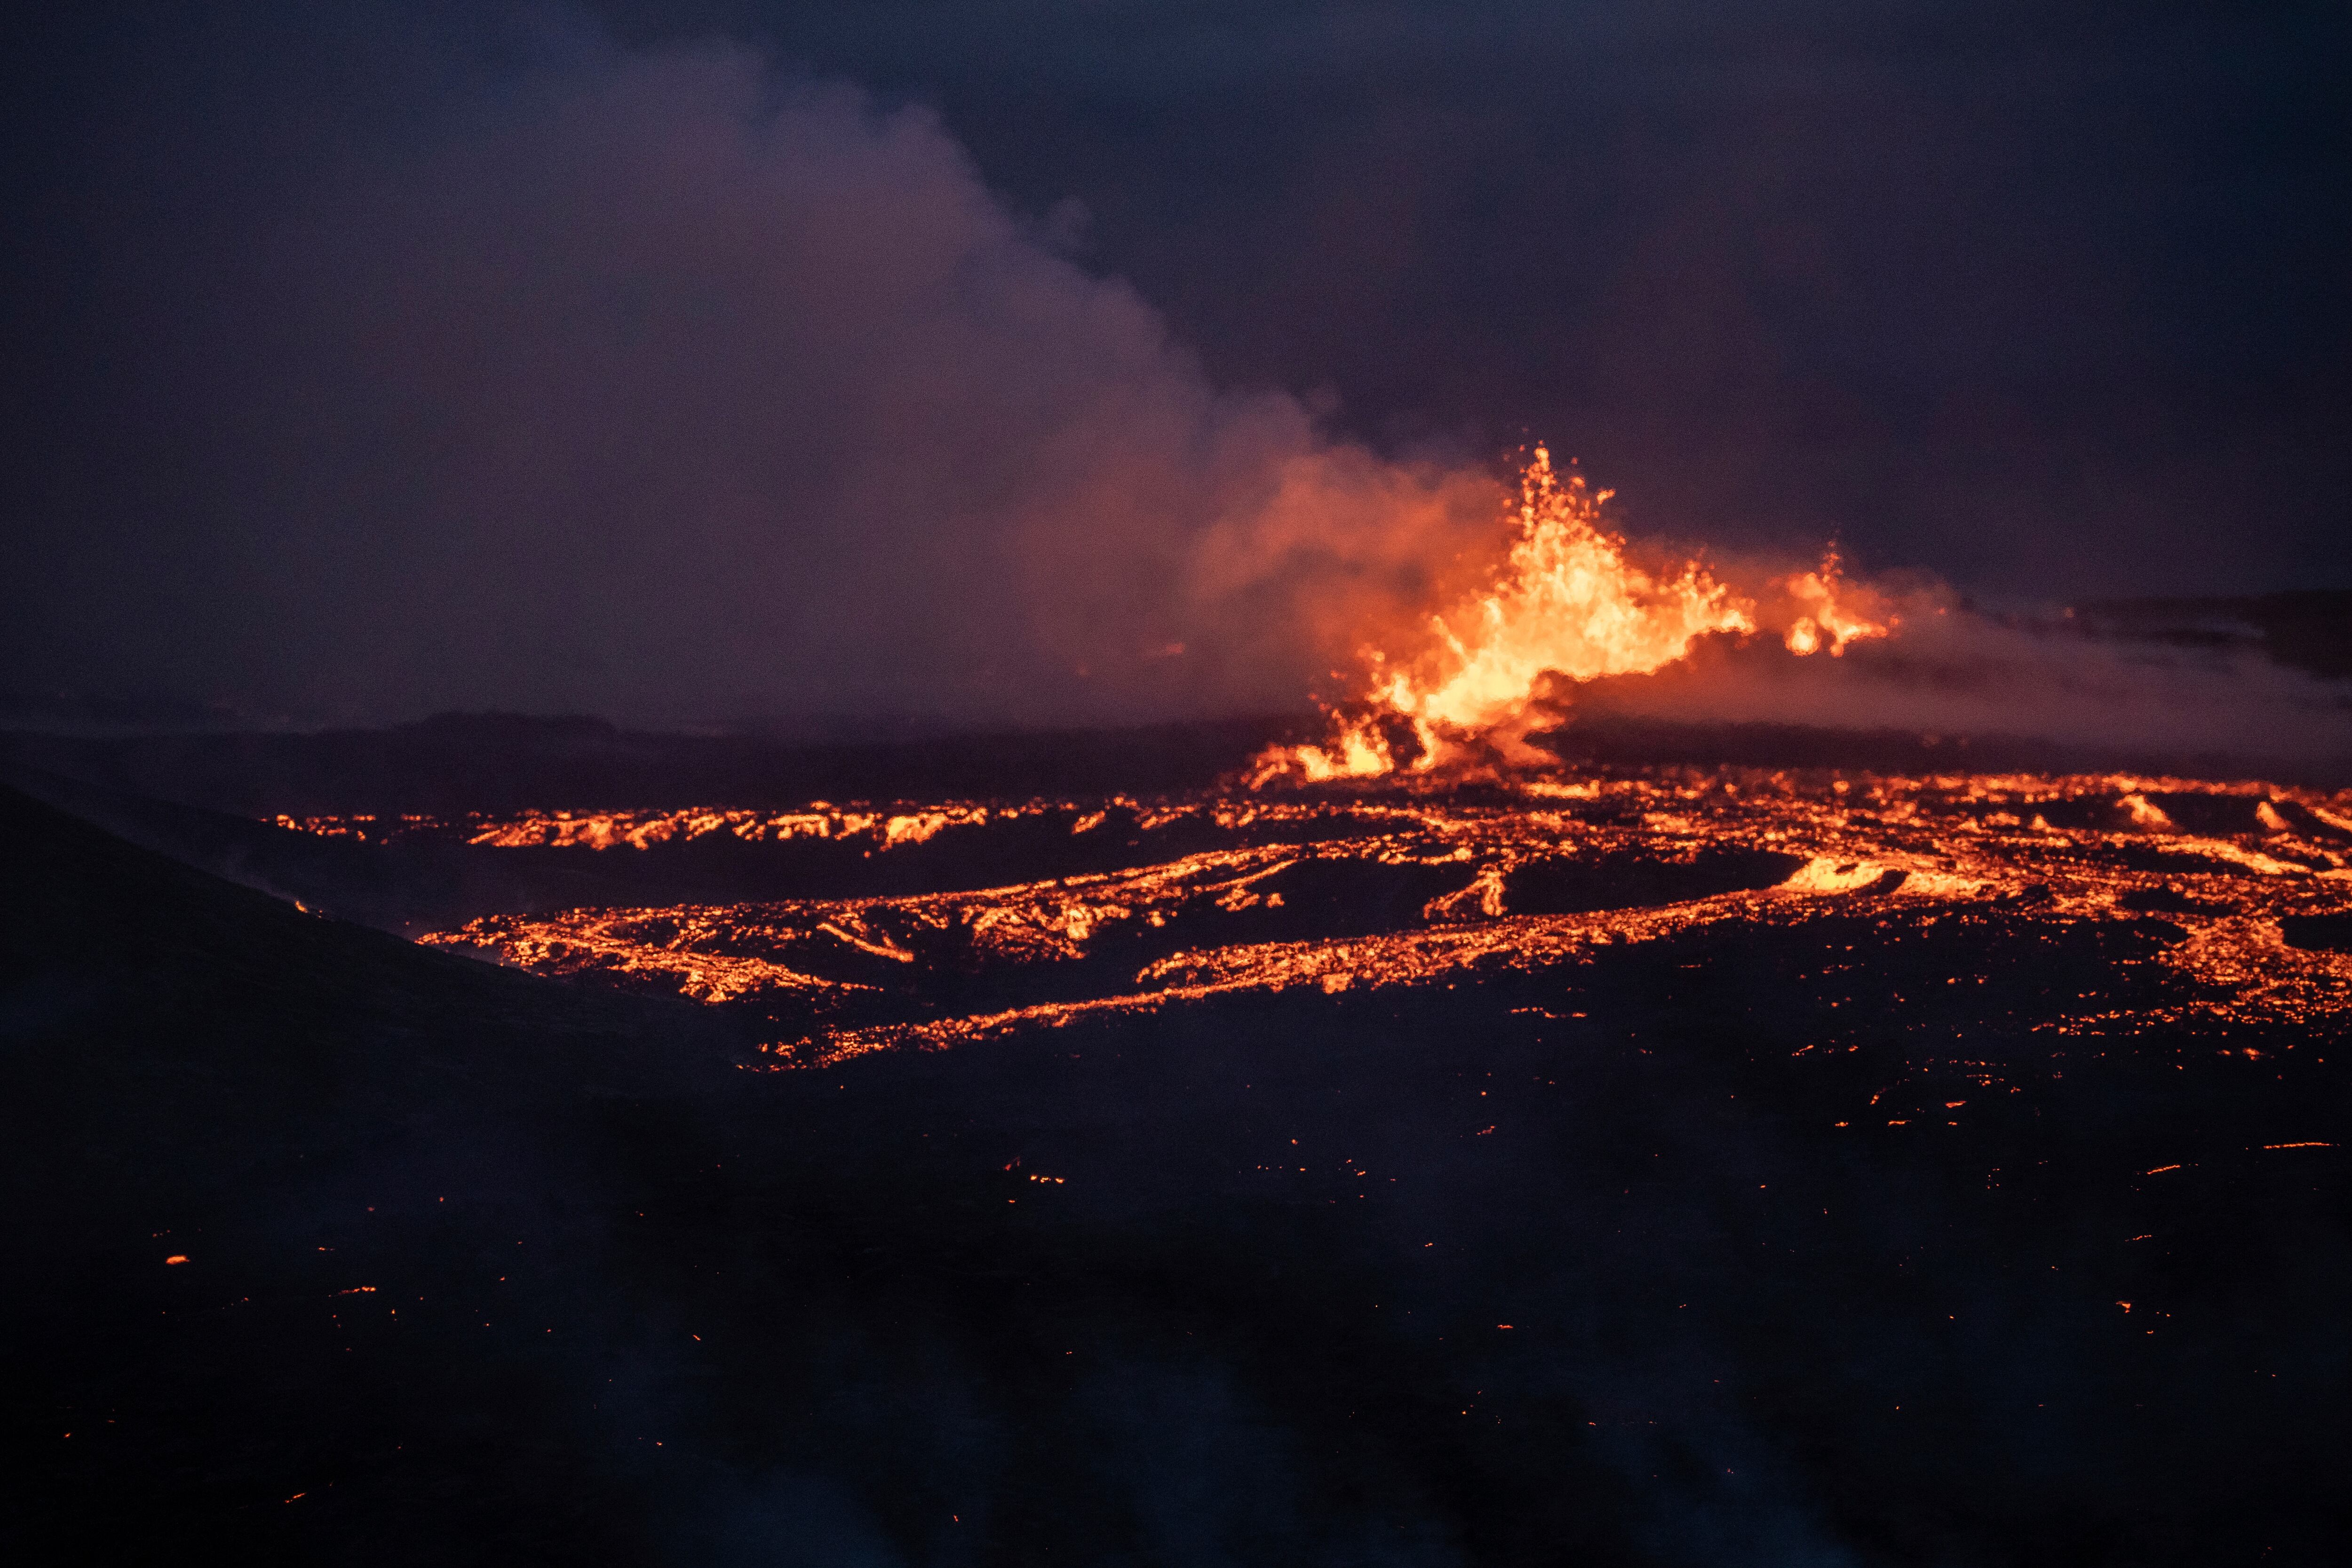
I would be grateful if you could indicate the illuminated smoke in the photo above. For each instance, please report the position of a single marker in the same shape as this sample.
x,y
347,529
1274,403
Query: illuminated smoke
x,y
661,385
1568,605
665,387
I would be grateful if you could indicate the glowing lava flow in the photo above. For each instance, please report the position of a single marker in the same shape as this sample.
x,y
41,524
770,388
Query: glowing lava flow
x,y
1569,605
2169,904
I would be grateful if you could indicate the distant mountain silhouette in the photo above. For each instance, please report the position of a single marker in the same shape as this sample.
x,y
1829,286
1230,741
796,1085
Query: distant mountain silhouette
x,y
489,762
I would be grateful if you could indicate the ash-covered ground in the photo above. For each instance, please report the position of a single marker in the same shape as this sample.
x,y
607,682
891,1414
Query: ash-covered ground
x,y
1652,1164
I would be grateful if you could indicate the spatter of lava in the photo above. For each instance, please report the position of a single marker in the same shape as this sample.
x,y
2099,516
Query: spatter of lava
x,y
2152,902
1568,606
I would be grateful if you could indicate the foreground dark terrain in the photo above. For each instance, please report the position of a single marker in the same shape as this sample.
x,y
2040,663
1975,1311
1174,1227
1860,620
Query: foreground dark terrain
x,y
1668,1166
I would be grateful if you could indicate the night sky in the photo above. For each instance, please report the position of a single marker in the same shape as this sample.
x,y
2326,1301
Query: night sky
x,y
701,362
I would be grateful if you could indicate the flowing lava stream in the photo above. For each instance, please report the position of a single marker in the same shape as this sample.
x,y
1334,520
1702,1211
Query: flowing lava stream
x,y
2186,905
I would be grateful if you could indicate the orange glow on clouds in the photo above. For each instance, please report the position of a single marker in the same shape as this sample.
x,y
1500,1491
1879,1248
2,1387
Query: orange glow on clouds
x,y
1567,605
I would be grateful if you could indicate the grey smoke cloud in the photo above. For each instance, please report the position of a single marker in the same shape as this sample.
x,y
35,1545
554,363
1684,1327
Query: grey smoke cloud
x,y
665,385
1951,671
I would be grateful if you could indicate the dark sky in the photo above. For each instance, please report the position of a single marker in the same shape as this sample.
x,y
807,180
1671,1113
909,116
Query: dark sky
x,y
697,360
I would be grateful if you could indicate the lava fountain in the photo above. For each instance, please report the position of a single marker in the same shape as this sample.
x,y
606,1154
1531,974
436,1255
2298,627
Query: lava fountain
x,y
1569,605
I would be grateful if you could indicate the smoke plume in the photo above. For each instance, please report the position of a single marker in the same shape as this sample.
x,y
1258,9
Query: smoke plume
x,y
668,387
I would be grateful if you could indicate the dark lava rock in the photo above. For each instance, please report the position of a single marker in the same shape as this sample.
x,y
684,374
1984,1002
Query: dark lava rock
x,y
1833,1240
2319,933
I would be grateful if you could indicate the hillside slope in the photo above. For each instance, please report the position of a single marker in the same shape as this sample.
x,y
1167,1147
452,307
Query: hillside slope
x,y
1599,1263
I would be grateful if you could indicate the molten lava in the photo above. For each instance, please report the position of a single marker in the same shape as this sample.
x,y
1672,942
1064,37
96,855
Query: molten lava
x,y
2193,906
1568,605
1831,618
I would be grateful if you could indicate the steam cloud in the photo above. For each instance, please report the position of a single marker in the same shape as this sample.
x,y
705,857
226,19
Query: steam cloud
x,y
1950,672
667,386
658,386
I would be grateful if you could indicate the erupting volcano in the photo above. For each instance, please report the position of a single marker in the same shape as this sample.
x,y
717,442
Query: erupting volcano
x,y
1492,1129
833,786
1568,606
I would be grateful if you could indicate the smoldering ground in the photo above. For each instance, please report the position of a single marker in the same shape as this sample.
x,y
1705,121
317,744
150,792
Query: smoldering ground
x,y
1727,1246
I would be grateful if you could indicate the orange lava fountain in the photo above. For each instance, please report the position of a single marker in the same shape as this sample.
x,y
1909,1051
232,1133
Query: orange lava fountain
x,y
1826,624
1569,605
